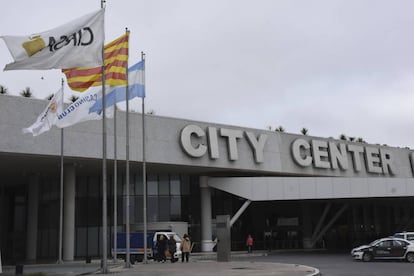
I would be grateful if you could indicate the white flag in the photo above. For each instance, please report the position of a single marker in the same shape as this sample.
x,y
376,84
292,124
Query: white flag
x,y
78,43
79,111
48,117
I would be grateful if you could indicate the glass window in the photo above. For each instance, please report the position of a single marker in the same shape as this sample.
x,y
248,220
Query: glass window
x,y
93,186
152,208
152,185
185,185
164,208
385,244
138,213
175,204
81,186
81,241
139,189
120,184
94,211
46,194
93,241
175,185
55,189
163,185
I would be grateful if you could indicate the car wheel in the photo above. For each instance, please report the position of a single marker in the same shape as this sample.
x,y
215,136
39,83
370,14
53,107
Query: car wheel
x,y
410,257
367,257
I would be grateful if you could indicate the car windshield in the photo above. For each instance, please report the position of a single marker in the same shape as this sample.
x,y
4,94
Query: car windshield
x,y
374,242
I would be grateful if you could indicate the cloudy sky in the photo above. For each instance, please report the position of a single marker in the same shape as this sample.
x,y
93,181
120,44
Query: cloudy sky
x,y
332,66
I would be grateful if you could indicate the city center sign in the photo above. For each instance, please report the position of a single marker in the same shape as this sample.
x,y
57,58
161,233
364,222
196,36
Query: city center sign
x,y
304,152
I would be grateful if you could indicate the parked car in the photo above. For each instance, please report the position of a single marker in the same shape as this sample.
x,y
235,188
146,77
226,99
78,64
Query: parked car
x,y
405,235
386,248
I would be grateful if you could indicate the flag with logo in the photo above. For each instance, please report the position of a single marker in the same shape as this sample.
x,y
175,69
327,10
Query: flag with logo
x,y
116,59
47,118
78,111
74,44
136,88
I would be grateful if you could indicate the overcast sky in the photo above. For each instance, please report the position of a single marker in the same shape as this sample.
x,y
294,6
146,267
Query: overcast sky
x,y
332,66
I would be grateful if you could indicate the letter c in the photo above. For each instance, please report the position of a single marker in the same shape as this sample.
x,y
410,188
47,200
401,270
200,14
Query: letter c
x,y
297,145
185,139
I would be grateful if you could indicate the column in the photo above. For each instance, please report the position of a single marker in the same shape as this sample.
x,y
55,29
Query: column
x,y
206,228
69,186
32,218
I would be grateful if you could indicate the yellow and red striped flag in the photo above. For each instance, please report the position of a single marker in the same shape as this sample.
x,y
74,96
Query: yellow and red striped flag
x,y
116,60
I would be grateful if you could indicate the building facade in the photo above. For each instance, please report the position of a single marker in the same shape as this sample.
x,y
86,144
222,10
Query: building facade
x,y
286,190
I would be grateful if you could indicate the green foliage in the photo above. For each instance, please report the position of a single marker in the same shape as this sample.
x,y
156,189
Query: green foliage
x,y
27,92
3,90
343,137
280,129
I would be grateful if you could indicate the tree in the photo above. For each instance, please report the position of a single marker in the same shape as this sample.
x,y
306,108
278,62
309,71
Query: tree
x,y
74,98
3,90
352,139
280,129
342,137
27,93
360,140
304,131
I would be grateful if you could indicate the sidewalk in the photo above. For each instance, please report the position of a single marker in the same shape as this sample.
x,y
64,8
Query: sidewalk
x,y
201,264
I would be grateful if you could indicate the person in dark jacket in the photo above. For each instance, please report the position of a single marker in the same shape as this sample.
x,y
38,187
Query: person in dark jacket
x,y
161,247
172,247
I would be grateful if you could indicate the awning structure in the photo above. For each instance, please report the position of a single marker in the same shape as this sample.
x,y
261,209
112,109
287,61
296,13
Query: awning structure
x,y
297,188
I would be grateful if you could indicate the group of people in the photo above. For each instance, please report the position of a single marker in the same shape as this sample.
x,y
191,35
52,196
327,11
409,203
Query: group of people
x,y
166,247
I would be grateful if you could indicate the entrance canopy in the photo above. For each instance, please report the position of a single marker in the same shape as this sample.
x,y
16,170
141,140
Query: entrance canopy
x,y
296,188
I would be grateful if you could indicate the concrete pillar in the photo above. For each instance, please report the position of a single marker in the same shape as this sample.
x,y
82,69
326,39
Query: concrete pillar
x,y
69,193
206,226
32,218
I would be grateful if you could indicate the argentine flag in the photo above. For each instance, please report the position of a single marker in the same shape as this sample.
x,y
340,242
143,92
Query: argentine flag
x,y
118,94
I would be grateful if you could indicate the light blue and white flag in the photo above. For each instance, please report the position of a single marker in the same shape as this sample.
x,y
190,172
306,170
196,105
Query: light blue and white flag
x,y
136,87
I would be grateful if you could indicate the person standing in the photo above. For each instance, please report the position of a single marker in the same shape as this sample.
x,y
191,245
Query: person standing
x,y
161,247
172,247
249,244
185,248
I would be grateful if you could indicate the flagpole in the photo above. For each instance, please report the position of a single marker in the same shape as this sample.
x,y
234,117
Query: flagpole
x,y
127,180
60,261
104,199
115,192
144,169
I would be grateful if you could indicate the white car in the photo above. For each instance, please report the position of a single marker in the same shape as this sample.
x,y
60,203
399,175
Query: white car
x,y
386,248
405,235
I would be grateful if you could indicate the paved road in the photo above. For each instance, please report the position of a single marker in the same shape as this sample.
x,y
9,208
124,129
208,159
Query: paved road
x,y
341,264
275,263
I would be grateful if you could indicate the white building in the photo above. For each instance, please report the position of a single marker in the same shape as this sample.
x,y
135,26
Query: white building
x,y
286,190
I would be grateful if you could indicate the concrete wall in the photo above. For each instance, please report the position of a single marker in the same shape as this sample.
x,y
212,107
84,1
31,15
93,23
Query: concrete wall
x,y
299,188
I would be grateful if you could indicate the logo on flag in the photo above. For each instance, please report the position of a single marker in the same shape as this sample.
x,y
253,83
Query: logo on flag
x,y
74,44
48,117
116,58
79,110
